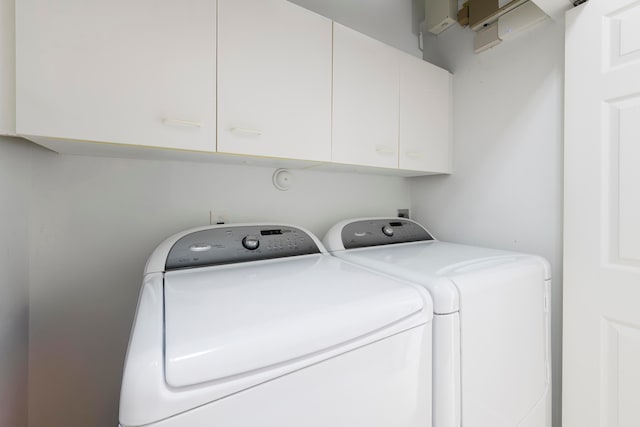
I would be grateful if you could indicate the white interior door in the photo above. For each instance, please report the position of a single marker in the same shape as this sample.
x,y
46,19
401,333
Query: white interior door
x,y
602,216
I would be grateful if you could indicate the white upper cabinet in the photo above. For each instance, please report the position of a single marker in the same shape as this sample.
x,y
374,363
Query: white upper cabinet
x,y
211,79
365,100
425,116
390,109
126,72
274,80
7,68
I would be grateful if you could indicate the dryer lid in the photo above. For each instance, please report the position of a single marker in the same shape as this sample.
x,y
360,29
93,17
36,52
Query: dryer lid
x,y
432,264
224,322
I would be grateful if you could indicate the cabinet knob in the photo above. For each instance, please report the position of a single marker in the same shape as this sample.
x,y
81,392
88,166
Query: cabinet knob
x,y
178,122
385,151
245,131
413,154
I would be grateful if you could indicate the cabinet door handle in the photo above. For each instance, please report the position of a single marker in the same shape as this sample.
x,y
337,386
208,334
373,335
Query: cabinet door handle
x,y
178,122
385,151
245,131
413,154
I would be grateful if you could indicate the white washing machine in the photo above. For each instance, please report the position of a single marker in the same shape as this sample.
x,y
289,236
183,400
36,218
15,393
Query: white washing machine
x,y
491,348
256,325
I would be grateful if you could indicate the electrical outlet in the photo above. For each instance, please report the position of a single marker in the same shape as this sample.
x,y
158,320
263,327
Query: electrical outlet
x,y
217,216
403,213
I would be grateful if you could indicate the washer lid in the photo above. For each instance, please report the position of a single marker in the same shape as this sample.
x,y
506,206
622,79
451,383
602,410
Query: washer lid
x,y
226,322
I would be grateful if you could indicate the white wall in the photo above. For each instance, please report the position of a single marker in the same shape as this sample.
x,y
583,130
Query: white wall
x,y
15,186
7,73
506,189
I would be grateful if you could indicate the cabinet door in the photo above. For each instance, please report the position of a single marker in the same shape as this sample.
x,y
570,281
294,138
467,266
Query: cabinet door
x,y
129,72
365,100
274,80
425,116
7,67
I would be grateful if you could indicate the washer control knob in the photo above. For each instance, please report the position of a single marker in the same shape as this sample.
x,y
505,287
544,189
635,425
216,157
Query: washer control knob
x,y
387,230
251,242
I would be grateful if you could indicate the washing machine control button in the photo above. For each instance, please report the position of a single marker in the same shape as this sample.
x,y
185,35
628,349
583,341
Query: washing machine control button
x,y
387,230
250,242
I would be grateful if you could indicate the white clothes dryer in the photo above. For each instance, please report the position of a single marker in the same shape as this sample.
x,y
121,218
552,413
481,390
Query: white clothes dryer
x,y
491,348
257,325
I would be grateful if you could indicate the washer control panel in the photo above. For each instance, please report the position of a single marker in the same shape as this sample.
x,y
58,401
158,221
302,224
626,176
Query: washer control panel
x,y
376,232
233,244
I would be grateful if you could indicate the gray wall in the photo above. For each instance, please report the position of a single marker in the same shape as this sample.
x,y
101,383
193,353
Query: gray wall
x,y
15,188
506,189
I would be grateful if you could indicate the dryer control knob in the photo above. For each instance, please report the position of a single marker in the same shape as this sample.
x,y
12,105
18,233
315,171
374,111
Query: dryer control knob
x,y
387,230
250,242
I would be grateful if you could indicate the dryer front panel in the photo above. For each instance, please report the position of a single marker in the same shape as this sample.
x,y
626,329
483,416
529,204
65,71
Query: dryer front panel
x,y
505,344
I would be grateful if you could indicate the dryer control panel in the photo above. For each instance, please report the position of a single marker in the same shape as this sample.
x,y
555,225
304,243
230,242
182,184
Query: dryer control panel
x,y
376,232
233,244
